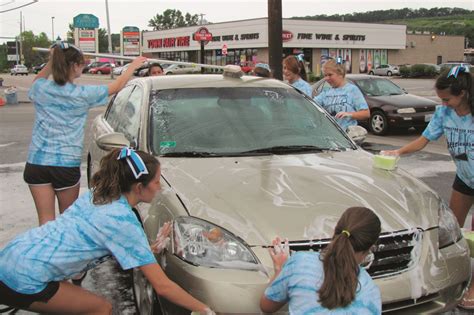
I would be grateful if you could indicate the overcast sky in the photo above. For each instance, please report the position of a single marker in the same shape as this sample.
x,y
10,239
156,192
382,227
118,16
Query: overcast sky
x,y
38,16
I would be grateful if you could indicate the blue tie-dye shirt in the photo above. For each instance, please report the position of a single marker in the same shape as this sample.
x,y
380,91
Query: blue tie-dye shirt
x,y
299,283
347,98
78,240
459,133
61,114
302,86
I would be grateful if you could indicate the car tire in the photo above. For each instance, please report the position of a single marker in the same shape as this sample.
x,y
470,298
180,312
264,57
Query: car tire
x,y
169,73
371,73
99,72
146,300
389,73
378,123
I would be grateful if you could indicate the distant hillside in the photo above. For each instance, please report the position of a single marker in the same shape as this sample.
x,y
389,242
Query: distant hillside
x,y
447,21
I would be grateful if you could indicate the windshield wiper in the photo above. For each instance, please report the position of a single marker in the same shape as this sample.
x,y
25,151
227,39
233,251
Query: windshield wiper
x,y
190,154
291,149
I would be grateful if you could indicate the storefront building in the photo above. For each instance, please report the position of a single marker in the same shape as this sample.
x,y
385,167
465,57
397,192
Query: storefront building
x,y
362,46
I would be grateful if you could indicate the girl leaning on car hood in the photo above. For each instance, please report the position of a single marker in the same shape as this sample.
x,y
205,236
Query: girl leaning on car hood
x,y
98,225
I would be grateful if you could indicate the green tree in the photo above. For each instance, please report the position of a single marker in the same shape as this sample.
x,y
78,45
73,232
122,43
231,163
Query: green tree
x,y
29,41
171,19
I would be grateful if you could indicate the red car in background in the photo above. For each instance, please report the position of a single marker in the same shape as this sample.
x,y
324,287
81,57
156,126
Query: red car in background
x,y
106,68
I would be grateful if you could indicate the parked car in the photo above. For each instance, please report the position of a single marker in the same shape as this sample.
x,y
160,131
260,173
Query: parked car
x,y
390,105
387,70
19,69
105,68
38,68
180,69
94,64
245,159
121,69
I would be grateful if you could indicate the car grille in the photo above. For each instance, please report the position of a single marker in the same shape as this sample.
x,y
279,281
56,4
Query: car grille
x,y
393,251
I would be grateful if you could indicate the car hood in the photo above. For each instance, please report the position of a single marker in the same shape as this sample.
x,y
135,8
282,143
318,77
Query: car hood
x,y
300,197
403,100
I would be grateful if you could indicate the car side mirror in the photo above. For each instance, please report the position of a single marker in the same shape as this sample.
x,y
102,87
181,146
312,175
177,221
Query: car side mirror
x,y
111,141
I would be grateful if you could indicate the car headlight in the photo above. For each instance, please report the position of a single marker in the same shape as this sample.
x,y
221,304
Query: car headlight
x,y
408,110
449,231
204,244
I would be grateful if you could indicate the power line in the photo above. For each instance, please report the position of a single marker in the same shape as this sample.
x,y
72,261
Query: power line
x,y
21,6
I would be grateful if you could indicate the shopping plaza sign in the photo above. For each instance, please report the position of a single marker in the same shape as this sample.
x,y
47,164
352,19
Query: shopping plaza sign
x,y
202,35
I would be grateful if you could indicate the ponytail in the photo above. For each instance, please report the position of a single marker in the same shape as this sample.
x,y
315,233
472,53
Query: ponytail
x,y
356,231
116,176
462,81
62,63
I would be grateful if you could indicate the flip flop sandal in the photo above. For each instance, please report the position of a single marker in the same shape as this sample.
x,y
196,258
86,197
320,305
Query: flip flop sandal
x,y
78,281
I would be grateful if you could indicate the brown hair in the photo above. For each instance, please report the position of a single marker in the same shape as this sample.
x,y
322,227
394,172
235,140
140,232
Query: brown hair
x,y
332,64
463,82
293,64
361,228
63,61
115,176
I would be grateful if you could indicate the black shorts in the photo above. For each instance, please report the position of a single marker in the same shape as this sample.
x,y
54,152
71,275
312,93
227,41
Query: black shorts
x,y
60,177
19,300
461,187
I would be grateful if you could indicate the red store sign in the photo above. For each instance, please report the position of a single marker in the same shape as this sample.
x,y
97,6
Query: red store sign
x,y
286,36
169,42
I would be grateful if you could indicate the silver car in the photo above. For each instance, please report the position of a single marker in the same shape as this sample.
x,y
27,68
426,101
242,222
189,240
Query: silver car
x,y
246,159
387,70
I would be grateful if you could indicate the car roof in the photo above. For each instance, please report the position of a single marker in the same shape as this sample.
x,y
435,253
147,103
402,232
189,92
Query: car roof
x,y
210,81
363,77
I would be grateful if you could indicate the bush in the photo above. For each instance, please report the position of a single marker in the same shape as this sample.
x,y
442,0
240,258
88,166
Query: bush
x,y
313,78
418,70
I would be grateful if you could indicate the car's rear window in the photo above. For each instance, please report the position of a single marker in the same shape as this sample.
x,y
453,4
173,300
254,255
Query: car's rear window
x,y
379,87
232,121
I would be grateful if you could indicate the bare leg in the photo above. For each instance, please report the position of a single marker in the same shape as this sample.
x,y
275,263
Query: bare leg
x,y
460,204
71,299
67,196
44,198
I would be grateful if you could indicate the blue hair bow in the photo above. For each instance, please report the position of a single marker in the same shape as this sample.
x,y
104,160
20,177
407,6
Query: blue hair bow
x,y
134,161
455,71
300,57
339,60
64,45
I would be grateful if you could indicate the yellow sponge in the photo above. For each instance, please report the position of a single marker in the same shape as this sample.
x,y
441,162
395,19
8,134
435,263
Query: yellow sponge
x,y
469,236
385,162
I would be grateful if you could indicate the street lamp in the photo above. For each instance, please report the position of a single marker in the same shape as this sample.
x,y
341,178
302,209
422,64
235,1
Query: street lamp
x,y
52,28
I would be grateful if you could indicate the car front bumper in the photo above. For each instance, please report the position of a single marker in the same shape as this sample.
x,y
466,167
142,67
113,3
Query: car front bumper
x,y
436,283
409,120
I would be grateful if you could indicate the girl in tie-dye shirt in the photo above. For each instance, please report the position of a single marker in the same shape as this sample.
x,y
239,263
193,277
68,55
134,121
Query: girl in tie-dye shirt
x,y
294,73
35,266
52,169
455,120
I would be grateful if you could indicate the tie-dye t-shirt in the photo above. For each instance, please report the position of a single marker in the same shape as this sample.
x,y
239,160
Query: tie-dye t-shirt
x,y
459,133
61,114
347,98
299,282
78,240
302,86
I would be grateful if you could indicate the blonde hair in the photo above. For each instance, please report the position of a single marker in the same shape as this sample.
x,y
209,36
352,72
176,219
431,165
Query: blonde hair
x,y
334,66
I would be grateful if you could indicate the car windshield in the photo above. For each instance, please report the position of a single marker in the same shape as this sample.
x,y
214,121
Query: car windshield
x,y
239,121
379,87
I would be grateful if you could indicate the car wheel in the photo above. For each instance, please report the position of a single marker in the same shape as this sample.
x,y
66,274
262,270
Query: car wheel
x,y
146,301
99,72
389,73
168,73
371,73
378,123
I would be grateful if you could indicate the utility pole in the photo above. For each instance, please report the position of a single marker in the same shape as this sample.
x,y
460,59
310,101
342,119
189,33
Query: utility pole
x,y
275,42
21,40
109,35
52,29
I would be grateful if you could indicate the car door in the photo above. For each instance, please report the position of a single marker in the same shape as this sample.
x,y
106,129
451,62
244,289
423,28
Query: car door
x,y
107,123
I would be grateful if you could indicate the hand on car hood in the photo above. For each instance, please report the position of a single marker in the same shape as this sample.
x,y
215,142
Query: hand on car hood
x,y
299,196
